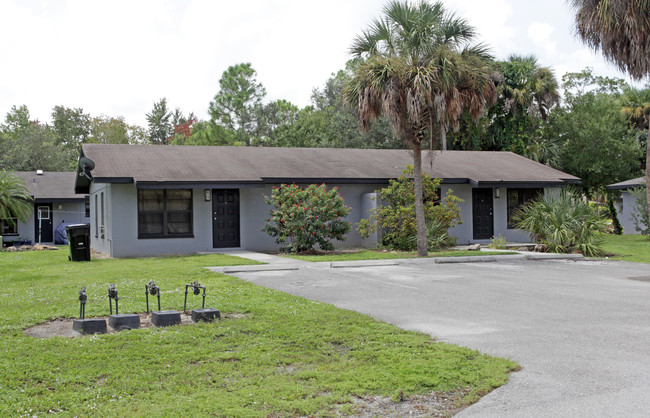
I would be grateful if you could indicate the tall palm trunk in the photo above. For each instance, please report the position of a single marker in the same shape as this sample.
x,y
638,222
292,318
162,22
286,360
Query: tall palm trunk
x,y
443,136
419,205
647,173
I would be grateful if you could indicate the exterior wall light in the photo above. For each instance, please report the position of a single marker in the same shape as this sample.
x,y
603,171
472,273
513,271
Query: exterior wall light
x,y
207,195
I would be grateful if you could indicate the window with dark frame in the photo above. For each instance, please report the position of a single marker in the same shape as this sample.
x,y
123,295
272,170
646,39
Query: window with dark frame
x,y
101,217
6,228
87,206
96,218
517,198
165,213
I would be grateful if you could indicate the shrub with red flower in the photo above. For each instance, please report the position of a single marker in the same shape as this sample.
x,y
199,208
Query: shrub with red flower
x,y
307,217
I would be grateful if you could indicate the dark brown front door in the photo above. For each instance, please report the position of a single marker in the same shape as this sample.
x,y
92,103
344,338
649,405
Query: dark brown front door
x,y
482,213
225,218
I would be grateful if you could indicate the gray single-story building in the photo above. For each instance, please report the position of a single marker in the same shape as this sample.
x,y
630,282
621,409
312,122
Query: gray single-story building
x,y
150,200
625,203
55,203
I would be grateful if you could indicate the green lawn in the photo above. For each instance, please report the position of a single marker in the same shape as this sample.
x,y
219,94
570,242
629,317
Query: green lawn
x,y
272,355
389,255
627,247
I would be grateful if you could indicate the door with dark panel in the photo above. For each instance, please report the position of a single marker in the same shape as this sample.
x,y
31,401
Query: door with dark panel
x,y
43,223
482,213
225,218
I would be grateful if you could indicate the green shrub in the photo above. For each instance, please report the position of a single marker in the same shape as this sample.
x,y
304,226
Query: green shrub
x,y
564,222
396,216
499,242
306,217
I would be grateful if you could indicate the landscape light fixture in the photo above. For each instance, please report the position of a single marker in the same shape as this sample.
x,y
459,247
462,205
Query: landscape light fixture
x,y
160,318
196,289
154,290
202,314
82,302
120,322
112,294
87,326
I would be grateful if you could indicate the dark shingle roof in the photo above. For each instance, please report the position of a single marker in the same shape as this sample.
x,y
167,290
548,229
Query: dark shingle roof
x,y
52,186
203,164
627,184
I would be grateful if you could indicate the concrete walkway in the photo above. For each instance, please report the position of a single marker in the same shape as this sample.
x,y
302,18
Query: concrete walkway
x,y
579,329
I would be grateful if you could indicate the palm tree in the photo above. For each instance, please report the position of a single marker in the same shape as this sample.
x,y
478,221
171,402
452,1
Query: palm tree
x,y
621,30
526,94
527,87
15,200
418,69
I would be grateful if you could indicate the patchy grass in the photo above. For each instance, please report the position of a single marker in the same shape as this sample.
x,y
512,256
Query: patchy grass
x,y
274,355
387,255
627,247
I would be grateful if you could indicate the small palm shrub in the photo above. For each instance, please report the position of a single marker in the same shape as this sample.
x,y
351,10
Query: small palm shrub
x,y
15,199
564,222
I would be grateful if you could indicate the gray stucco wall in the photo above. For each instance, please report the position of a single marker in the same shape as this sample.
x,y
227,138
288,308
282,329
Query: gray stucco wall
x,y
464,232
624,207
65,212
121,223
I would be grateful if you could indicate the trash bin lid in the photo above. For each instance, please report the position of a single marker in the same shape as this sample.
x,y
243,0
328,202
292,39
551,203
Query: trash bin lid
x,y
78,226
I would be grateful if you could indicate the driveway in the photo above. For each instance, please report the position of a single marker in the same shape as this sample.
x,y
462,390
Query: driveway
x,y
579,329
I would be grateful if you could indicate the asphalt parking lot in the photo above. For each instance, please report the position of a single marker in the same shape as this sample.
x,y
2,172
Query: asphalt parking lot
x,y
579,329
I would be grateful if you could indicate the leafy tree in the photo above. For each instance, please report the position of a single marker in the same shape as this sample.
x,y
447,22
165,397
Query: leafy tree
x,y
597,144
160,126
111,130
636,108
341,129
182,128
71,126
30,145
271,118
16,119
621,30
307,217
15,199
419,70
237,103
396,216
206,133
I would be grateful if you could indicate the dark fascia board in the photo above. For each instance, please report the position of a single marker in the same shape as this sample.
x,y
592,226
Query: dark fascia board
x,y
276,180
629,186
195,185
117,180
333,180
519,184
80,199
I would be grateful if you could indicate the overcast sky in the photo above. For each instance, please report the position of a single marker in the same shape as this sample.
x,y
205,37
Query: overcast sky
x,y
118,57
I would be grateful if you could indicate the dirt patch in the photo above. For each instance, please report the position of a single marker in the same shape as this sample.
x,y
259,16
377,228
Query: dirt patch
x,y
435,404
37,247
62,327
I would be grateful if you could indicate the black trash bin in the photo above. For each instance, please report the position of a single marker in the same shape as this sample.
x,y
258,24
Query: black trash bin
x,y
79,239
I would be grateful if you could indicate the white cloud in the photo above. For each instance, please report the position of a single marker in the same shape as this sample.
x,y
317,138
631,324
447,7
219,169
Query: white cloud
x,y
541,35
